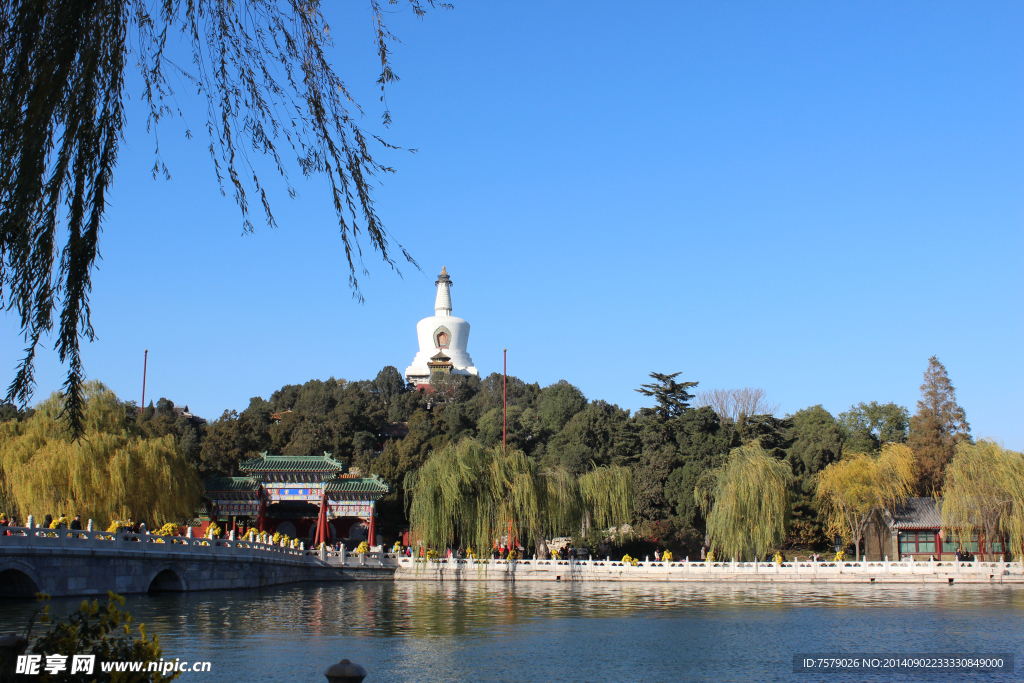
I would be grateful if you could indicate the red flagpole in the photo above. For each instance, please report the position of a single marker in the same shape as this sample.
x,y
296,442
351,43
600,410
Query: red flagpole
x,y
145,358
504,397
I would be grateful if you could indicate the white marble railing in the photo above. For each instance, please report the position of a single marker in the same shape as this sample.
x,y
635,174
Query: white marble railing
x,y
684,568
65,540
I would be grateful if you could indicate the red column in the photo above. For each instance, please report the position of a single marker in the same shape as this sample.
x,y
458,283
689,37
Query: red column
x,y
372,533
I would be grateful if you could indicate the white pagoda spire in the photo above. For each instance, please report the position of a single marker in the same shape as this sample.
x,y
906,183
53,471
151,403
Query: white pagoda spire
x,y
443,303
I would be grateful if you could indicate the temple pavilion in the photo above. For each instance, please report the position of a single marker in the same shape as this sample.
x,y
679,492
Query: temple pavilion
x,y
289,493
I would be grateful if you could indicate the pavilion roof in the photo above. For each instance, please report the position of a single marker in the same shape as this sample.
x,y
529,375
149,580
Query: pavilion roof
x,y
371,484
292,463
231,484
917,513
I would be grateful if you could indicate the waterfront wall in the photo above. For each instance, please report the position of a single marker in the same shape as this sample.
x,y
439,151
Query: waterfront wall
x,y
903,572
64,563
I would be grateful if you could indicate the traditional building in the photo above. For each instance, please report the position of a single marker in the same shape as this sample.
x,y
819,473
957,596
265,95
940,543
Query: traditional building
x,y
914,529
442,341
284,493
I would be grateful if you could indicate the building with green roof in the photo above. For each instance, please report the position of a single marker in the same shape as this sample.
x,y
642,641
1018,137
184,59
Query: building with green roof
x,y
284,493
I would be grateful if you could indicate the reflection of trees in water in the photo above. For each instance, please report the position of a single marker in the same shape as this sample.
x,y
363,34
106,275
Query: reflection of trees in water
x,y
427,609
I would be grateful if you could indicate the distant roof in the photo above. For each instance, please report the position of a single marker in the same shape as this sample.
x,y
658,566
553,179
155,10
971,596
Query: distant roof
x,y
292,463
917,513
371,484
231,484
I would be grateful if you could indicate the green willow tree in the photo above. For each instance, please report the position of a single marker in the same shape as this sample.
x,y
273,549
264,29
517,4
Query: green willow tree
x,y
470,494
262,67
746,503
984,494
111,472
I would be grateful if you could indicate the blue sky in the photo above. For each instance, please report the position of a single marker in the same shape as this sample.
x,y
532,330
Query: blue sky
x,y
811,198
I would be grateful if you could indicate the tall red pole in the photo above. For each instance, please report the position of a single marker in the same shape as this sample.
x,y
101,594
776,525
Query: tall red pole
x,y
504,396
145,358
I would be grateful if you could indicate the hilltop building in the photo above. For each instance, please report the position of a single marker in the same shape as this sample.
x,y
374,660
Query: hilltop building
x,y
442,341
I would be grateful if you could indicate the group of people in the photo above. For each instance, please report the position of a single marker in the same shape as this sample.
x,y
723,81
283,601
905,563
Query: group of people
x,y
7,523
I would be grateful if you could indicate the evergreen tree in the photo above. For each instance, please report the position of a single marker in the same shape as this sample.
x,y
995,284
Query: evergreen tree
x,y
937,427
671,396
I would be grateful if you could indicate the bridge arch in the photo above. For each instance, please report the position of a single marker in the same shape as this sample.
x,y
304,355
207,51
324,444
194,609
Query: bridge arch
x,y
18,580
167,578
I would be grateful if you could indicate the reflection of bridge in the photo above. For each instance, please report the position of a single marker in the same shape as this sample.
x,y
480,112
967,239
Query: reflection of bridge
x,y
62,562
849,571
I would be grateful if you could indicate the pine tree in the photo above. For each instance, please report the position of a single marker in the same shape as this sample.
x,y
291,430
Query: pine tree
x,y
937,427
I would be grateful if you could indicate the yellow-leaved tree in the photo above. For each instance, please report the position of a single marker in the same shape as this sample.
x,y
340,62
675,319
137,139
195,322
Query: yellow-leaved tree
x,y
851,490
111,472
984,492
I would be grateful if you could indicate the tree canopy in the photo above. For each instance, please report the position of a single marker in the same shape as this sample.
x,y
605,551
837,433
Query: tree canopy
x,y
855,488
113,472
746,502
984,494
470,494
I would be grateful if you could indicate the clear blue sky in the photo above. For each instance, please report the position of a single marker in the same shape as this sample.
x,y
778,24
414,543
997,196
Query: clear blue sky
x,y
812,198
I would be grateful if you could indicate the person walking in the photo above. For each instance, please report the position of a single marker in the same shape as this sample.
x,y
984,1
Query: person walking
x,y
47,521
76,523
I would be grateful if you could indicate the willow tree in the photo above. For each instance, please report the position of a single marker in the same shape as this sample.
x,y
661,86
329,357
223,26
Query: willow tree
x,y
984,493
262,73
473,494
747,502
851,490
110,472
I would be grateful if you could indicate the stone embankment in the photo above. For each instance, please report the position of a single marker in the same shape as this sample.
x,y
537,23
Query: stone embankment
x,y
64,563
899,572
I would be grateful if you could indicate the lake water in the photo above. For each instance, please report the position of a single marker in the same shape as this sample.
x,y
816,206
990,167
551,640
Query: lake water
x,y
565,632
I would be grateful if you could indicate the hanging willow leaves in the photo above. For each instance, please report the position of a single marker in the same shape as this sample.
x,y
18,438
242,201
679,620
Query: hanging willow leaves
x,y
984,493
470,494
109,473
263,69
851,490
747,510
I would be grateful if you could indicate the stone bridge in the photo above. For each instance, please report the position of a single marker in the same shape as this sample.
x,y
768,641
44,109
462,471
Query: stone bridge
x,y
64,563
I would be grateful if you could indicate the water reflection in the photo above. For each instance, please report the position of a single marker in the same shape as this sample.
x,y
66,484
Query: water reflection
x,y
486,631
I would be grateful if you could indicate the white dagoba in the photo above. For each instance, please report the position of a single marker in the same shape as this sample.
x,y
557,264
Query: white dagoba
x,y
441,336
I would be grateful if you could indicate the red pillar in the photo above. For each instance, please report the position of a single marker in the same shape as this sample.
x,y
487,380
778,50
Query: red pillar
x,y
321,522
372,533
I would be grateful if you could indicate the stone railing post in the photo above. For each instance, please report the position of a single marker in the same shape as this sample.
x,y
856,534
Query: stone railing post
x,y
188,532
31,522
231,535
89,526
343,554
